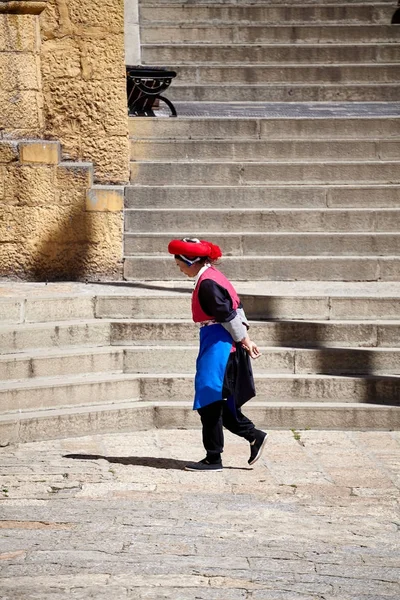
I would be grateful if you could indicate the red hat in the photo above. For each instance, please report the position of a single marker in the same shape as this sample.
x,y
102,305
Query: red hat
x,y
194,248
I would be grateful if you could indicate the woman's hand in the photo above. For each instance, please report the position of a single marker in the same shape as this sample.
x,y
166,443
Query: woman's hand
x,y
250,347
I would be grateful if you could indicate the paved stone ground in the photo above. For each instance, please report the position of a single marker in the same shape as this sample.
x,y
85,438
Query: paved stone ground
x,y
117,517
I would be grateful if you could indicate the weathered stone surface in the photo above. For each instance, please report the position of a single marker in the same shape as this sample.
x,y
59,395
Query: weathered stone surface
x,y
29,186
84,93
60,58
118,514
18,71
21,111
18,33
103,58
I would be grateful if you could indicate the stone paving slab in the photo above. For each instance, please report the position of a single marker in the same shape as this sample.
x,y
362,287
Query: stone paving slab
x,y
116,516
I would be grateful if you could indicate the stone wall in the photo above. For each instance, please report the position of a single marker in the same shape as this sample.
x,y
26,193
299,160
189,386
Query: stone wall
x,y
21,99
64,155
84,89
54,223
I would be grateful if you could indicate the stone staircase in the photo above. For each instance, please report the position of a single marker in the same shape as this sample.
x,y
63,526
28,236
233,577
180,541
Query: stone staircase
x,y
288,199
275,51
304,199
79,358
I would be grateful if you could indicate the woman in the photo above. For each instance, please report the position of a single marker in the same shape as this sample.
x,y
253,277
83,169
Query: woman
x,y
224,379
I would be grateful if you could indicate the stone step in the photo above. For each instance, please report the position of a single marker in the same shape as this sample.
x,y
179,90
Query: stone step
x,y
268,129
283,300
302,415
20,337
69,361
130,415
317,196
286,92
186,54
253,174
159,13
22,309
248,220
275,244
277,268
269,301
285,388
260,2
279,33
334,361
292,74
69,391
57,392
263,150
181,359
312,333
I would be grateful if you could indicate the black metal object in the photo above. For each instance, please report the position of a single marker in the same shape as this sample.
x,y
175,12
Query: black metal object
x,y
144,88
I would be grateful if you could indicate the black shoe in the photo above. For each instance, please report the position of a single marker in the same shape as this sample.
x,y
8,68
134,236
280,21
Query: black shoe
x,y
204,465
256,449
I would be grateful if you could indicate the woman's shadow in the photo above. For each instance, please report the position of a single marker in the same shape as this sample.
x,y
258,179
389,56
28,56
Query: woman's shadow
x,y
143,461
137,461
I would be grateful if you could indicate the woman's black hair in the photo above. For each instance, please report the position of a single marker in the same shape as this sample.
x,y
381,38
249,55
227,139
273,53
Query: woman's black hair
x,y
202,259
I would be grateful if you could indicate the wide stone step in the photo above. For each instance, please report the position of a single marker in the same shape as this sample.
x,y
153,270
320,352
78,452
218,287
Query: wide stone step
x,y
130,415
26,309
294,415
275,244
277,268
269,301
248,220
156,14
20,337
262,150
65,391
286,92
282,128
260,2
72,361
256,74
70,391
339,361
312,333
286,388
179,54
252,173
261,33
348,196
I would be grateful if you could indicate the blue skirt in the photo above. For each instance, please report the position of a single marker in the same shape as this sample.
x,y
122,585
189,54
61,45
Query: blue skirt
x,y
215,348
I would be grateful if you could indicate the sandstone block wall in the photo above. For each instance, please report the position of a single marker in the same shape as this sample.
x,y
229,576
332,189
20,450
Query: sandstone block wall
x,y
21,99
64,154
54,223
84,85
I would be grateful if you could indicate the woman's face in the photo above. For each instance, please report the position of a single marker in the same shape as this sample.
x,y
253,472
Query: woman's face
x,y
189,270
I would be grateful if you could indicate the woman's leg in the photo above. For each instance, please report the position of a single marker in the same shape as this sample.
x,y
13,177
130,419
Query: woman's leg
x,y
236,422
213,436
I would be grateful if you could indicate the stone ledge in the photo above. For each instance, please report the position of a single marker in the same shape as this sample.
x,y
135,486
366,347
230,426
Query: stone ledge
x,y
40,152
105,198
24,7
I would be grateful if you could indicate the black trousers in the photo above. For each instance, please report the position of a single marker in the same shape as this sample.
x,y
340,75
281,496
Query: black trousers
x,y
221,414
